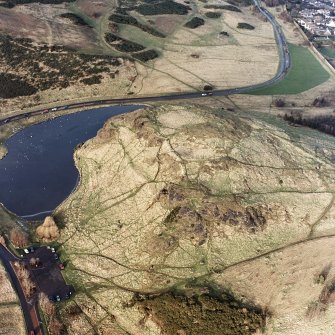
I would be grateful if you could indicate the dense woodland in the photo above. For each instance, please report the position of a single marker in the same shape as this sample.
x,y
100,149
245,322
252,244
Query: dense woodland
x,y
323,123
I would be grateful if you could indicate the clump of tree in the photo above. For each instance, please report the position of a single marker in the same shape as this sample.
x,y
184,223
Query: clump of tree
x,y
27,284
147,55
244,25
243,3
123,45
320,102
130,20
162,7
48,231
74,18
195,23
213,15
92,80
225,7
18,237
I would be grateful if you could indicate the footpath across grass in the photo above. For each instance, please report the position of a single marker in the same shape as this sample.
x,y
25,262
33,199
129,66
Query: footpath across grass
x,y
306,72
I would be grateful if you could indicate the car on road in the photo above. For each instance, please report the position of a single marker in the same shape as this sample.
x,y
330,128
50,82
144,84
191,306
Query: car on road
x,y
53,109
205,94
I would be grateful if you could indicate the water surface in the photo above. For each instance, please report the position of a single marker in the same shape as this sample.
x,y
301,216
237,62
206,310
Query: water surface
x,y
38,172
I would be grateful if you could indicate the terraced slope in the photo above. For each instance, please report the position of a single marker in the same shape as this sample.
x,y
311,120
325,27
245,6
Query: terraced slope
x,y
218,208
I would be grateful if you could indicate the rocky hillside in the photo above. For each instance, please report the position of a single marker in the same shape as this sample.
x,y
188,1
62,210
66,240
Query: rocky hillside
x,y
207,207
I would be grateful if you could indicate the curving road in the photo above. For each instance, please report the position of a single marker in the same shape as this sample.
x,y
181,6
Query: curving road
x,y
30,310
284,65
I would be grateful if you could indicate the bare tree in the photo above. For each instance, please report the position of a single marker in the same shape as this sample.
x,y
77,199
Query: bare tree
x,y
28,286
47,306
18,237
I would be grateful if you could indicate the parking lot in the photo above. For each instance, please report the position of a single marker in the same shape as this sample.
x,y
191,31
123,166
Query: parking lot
x,y
46,267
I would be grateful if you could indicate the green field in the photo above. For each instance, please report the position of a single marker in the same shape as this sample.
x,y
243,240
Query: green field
x,y
306,72
327,52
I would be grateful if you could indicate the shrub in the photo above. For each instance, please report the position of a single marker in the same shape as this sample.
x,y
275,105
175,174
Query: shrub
x,y
208,88
279,103
224,33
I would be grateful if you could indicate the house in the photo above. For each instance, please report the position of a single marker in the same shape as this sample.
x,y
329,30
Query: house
x,y
331,24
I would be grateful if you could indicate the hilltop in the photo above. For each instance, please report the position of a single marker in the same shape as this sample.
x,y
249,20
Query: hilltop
x,y
196,206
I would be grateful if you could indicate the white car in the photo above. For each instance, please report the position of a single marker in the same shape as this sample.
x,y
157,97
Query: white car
x,y
54,109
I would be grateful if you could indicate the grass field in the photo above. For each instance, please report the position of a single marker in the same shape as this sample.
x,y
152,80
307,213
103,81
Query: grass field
x,y
327,52
305,73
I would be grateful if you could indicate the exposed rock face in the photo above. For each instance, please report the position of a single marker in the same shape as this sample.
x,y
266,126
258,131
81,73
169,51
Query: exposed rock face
x,y
48,231
173,195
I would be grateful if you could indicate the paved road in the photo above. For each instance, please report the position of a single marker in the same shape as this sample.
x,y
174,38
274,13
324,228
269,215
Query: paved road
x,y
29,308
284,64
30,311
